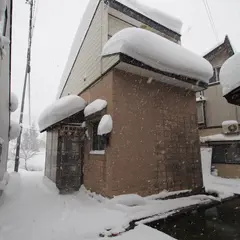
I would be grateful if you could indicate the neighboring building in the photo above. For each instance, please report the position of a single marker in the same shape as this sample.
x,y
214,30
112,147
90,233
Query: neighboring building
x,y
5,82
218,120
212,107
131,79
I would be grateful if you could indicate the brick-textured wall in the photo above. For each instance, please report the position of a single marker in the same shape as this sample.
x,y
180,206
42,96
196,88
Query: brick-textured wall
x,y
155,143
95,165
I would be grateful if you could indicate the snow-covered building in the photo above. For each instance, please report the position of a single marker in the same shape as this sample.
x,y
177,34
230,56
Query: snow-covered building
x,y
212,107
5,82
139,86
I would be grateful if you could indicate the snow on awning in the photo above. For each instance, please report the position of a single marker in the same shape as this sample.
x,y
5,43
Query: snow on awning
x,y
159,53
14,102
14,130
154,14
61,109
106,125
230,74
95,106
220,138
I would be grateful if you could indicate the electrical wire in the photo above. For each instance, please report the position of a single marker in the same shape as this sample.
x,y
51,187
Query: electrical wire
x,y
208,10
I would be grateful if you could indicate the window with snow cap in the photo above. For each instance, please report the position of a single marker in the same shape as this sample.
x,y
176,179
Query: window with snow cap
x,y
98,142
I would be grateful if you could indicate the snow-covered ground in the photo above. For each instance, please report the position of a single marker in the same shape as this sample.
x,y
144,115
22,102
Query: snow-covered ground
x,y
31,209
224,186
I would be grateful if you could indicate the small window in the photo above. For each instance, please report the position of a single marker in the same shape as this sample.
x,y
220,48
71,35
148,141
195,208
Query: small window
x,y
200,113
98,142
226,153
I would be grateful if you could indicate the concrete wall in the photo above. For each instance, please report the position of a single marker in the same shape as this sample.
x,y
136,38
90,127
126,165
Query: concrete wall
x,y
4,98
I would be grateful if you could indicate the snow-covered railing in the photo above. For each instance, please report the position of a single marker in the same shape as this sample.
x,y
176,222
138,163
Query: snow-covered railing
x,y
158,53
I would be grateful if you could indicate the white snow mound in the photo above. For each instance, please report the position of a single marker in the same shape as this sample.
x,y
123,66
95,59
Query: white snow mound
x,y
159,53
154,14
128,200
94,107
14,102
60,110
230,74
14,130
106,125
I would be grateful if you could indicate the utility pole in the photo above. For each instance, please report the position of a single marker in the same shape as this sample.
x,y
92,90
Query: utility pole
x,y
27,72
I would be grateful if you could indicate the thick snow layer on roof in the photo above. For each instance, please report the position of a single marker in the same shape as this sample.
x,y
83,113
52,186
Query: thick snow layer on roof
x,y
14,130
14,102
154,14
159,53
220,138
230,74
60,110
95,106
106,125
229,122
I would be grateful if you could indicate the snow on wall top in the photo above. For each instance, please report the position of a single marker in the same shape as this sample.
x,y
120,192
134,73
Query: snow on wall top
x,y
60,110
230,74
159,53
95,106
14,130
106,125
156,15
162,18
14,102
219,138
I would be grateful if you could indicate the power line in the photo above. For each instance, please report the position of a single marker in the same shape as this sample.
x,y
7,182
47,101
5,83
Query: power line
x,y
208,10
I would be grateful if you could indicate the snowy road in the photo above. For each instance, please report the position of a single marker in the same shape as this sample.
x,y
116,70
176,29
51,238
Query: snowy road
x,y
33,210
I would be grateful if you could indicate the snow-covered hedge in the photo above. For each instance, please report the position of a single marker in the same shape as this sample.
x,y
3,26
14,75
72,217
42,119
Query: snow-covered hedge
x,y
159,53
60,110
14,102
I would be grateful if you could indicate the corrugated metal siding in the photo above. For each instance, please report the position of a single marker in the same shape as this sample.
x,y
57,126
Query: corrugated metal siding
x,y
87,67
217,108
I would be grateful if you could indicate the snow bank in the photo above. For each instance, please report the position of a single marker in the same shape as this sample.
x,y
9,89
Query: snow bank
x,y
129,200
60,110
230,74
154,14
95,106
3,5
106,125
219,138
14,130
14,102
159,53
143,232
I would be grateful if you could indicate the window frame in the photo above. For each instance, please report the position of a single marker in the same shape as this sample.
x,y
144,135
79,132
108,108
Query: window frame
x,y
201,105
226,149
101,140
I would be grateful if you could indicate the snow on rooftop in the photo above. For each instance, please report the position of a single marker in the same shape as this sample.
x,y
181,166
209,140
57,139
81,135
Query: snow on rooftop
x,y
159,53
220,138
106,125
95,106
14,130
230,74
154,14
14,102
60,110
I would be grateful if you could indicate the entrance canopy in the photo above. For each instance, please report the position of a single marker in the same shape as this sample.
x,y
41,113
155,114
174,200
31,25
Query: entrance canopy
x,y
61,109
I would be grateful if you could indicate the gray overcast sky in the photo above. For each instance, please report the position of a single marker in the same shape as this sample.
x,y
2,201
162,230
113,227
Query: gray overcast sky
x,y
57,22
